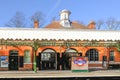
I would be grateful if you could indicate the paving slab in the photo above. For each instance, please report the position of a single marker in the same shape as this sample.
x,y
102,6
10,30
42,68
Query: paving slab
x,y
60,74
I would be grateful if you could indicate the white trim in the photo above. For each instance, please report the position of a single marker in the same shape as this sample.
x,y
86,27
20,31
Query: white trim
x,y
95,67
113,62
28,63
66,34
95,62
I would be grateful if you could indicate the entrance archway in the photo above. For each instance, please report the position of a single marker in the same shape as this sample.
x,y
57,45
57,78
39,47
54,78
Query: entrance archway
x,y
13,60
67,58
48,60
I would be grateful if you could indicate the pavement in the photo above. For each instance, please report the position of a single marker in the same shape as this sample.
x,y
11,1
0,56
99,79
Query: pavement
x,y
58,74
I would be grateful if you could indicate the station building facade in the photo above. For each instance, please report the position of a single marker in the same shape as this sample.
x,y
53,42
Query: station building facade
x,y
52,47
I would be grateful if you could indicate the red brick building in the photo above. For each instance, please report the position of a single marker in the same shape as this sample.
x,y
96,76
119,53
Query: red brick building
x,y
52,47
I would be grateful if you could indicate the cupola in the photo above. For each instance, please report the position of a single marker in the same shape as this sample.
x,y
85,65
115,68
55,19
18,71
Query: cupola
x,y
64,18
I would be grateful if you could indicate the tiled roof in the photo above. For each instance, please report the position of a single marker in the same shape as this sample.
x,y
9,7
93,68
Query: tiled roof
x,y
77,25
74,25
54,24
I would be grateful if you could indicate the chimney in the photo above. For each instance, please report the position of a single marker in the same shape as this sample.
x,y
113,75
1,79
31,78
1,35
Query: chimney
x,y
91,25
36,24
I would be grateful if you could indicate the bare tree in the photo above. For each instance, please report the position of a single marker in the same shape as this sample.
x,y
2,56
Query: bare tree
x,y
112,23
18,20
99,24
53,19
38,16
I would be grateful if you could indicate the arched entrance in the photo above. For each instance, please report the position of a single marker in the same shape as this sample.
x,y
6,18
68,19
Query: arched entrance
x,y
67,58
13,60
48,60
92,55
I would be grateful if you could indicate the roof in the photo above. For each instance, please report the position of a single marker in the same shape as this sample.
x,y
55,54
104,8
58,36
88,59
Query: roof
x,y
65,34
65,10
56,25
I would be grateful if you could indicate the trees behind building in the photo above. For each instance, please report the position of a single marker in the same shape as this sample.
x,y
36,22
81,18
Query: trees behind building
x,y
38,16
109,24
19,20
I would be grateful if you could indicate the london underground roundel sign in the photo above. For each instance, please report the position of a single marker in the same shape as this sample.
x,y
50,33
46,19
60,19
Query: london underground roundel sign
x,y
80,61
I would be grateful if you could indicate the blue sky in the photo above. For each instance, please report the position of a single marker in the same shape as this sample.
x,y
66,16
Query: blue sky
x,y
82,10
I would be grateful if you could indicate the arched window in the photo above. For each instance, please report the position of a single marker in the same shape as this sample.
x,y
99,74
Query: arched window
x,y
92,55
27,56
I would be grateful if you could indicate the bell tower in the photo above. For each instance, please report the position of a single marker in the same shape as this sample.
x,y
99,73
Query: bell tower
x,y
64,18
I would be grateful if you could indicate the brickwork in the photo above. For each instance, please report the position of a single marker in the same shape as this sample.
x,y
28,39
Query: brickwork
x,y
103,51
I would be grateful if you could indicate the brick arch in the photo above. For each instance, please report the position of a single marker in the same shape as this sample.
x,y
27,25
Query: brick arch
x,y
47,54
91,48
48,48
67,57
41,49
71,49
69,52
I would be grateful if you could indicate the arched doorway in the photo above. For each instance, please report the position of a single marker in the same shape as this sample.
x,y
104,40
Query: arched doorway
x,y
92,55
13,60
48,60
67,58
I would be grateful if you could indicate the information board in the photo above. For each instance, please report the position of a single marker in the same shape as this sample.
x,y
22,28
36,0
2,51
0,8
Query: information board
x,y
4,61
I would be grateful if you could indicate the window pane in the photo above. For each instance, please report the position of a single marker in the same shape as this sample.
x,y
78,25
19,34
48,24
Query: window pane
x,y
27,56
111,55
92,55
45,56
